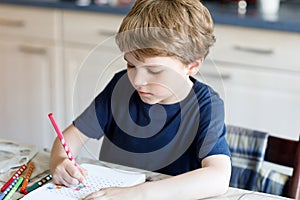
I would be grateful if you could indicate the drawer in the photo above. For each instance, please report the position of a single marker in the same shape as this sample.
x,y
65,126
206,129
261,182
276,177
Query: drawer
x,y
90,28
256,47
30,22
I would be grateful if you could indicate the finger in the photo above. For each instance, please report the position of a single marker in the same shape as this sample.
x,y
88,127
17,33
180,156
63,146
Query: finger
x,y
67,179
83,171
83,175
94,195
75,175
62,180
61,177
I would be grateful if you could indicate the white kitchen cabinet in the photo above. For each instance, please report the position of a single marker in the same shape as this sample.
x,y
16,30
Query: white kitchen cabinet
x,y
257,47
28,69
91,57
258,75
86,74
89,28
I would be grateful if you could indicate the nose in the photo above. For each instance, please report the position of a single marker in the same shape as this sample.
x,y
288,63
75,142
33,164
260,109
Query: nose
x,y
139,78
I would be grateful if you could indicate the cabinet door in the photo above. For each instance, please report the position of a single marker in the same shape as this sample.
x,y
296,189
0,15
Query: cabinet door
x,y
257,98
87,71
89,28
25,75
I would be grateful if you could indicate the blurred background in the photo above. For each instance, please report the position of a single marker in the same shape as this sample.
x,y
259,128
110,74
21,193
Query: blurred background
x,y
50,62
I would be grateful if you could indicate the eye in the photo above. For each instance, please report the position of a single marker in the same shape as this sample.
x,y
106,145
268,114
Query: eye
x,y
155,70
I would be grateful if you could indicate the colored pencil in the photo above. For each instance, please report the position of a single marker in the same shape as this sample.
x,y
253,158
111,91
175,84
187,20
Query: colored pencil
x,y
38,184
14,176
27,176
63,142
6,191
14,189
62,139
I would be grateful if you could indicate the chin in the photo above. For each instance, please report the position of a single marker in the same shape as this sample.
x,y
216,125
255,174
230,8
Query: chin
x,y
149,101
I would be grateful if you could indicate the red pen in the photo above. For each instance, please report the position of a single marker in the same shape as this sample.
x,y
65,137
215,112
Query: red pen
x,y
63,141
14,176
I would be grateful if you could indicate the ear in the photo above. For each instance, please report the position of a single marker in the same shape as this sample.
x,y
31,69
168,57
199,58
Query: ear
x,y
194,67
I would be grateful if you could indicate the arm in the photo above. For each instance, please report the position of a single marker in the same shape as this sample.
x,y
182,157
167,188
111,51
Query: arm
x,y
210,180
62,169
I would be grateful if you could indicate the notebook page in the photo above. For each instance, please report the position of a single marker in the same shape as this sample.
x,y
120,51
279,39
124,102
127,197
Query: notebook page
x,y
98,177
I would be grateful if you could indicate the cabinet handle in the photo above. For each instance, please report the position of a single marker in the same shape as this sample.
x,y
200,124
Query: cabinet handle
x,y
32,50
215,76
12,23
265,51
106,33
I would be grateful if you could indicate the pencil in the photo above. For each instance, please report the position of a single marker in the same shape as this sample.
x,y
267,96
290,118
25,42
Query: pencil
x,y
26,177
6,191
38,184
14,176
13,190
63,142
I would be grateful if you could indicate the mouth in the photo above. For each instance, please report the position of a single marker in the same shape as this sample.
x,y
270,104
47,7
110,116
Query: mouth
x,y
142,93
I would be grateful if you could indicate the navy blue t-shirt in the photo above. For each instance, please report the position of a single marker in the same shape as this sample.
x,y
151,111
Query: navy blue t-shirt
x,y
170,139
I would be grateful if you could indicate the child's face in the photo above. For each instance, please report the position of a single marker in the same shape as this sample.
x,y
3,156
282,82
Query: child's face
x,y
163,80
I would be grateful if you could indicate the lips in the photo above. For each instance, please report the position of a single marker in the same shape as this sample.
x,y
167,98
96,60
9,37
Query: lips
x,y
142,93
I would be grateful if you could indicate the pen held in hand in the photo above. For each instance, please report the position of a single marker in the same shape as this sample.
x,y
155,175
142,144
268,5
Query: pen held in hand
x,y
63,142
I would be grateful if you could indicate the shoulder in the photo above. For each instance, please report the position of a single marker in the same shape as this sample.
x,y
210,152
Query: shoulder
x,y
119,75
205,93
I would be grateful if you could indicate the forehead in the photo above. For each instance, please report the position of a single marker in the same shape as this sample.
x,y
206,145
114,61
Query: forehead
x,y
155,60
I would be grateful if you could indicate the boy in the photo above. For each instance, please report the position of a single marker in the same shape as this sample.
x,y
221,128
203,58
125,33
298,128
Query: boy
x,y
154,115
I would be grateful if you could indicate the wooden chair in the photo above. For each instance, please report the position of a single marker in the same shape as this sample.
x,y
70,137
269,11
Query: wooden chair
x,y
287,153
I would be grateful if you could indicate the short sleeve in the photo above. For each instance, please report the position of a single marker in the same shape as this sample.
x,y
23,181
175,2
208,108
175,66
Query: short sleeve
x,y
212,141
88,123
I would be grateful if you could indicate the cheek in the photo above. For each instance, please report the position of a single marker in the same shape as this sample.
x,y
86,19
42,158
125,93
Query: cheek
x,y
172,81
163,89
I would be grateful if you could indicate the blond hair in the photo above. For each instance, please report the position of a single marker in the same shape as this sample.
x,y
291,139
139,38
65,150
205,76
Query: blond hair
x,y
181,28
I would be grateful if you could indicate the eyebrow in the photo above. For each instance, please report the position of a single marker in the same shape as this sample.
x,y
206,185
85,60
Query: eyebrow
x,y
148,65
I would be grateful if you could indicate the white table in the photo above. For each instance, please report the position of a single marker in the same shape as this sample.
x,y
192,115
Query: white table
x,y
41,161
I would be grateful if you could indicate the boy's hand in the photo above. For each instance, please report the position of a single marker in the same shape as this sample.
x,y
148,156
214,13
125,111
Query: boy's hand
x,y
66,173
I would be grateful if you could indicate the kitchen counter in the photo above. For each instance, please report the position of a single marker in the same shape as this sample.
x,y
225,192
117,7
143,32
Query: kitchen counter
x,y
288,18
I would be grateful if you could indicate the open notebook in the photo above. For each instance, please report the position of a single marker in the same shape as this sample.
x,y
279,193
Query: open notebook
x,y
98,177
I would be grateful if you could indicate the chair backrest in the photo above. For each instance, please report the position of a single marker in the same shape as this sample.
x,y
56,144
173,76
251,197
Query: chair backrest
x,y
287,153
249,148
